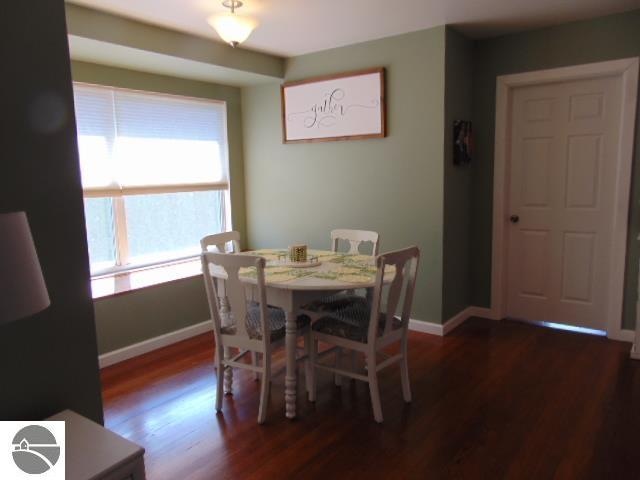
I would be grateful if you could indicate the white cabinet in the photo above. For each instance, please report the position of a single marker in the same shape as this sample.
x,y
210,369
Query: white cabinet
x,y
95,453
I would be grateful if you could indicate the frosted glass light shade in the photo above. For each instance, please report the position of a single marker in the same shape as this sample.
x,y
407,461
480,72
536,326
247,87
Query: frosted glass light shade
x,y
22,288
232,28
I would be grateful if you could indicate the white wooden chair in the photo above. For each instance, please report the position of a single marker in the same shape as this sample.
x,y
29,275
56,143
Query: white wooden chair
x,y
244,326
355,238
340,300
371,329
221,241
225,242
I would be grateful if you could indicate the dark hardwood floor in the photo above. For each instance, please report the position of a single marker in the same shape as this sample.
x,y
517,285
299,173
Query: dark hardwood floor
x,y
492,400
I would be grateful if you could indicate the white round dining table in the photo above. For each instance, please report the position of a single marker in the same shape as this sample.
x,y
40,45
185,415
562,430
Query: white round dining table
x,y
289,288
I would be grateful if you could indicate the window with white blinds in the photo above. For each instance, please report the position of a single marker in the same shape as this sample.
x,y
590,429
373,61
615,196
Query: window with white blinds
x,y
154,173
137,142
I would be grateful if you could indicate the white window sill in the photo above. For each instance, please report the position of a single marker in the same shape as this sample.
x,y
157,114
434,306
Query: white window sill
x,y
118,283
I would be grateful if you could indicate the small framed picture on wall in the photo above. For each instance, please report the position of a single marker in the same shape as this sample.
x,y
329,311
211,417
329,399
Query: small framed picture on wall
x,y
462,142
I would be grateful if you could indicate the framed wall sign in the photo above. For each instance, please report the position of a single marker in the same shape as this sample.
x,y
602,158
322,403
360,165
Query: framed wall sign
x,y
348,106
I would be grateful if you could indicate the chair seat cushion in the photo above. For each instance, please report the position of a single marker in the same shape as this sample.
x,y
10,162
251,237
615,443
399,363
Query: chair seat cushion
x,y
275,318
337,301
352,323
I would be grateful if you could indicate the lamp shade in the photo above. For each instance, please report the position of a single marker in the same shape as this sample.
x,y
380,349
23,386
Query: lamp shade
x,y
22,288
232,28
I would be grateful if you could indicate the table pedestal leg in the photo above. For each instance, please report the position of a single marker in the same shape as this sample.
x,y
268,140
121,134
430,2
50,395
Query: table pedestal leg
x,y
290,377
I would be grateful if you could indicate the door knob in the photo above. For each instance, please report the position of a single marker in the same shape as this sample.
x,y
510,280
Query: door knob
x,y
514,218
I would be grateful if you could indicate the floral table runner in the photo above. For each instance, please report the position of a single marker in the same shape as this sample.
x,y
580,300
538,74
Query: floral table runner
x,y
341,267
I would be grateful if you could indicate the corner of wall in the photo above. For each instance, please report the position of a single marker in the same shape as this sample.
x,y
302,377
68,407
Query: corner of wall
x,y
456,278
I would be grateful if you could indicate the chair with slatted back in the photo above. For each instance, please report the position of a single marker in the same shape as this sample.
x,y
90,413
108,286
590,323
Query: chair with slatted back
x,y
370,329
251,326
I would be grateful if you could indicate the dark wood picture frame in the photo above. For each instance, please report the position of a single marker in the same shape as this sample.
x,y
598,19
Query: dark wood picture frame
x,y
381,106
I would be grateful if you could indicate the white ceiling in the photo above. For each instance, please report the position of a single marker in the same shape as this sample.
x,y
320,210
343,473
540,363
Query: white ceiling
x,y
295,27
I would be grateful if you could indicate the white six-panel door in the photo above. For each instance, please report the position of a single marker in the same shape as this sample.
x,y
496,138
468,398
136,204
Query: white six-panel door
x,y
564,144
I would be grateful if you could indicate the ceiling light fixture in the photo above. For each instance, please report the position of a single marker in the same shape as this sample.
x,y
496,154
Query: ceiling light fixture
x,y
232,28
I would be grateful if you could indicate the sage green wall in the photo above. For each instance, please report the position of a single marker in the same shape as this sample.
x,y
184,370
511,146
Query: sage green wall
x,y
142,314
456,276
136,316
299,192
606,38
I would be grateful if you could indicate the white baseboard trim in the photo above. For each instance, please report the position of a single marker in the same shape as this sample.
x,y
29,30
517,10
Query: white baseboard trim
x,y
423,326
483,312
151,344
146,346
432,328
455,321
622,335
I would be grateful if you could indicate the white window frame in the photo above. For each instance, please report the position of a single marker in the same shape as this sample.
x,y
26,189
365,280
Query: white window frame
x,y
117,195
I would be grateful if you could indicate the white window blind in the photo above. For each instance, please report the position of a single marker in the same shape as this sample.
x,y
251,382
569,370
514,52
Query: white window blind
x,y
138,143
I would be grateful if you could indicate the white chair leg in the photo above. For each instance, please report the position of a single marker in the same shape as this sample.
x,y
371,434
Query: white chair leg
x,y
404,372
220,381
337,378
312,372
373,387
254,362
264,387
307,362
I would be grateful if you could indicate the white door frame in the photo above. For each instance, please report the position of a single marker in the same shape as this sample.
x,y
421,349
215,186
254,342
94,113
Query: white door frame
x,y
627,69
